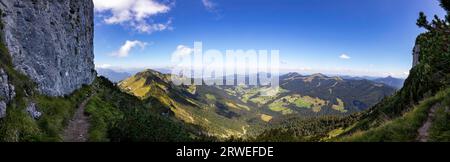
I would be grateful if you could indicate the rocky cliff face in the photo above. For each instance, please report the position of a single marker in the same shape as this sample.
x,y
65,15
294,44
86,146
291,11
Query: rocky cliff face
x,y
51,41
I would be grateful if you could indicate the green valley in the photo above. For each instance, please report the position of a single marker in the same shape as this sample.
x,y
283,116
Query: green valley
x,y
241,111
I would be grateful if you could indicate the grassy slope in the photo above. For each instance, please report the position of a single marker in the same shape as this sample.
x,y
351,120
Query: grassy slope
x,y
405,128
117,116
440,129
306,130
151,86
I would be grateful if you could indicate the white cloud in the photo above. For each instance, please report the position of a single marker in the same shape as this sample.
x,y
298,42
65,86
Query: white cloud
x,y
124,51
345,57
103,66
135,13
212,7
150,28
209,5
182,51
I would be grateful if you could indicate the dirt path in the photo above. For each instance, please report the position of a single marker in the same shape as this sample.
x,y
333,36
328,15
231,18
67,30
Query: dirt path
x,y
77,130
424,129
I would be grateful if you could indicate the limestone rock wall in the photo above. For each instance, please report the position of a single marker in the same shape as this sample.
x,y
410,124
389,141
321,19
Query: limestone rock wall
x,y
51,41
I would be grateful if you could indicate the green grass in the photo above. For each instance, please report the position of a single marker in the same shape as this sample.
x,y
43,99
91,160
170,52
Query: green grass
x,y
210,97
56,112
335,132
440,129
279,107
302,104
340,106
266,118
17,125
403,129
102,117
118,116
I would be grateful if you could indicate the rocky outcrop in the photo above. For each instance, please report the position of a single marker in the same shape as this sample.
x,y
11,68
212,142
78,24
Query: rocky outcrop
x,y
7,92
2,109
416,55
32,110
51,41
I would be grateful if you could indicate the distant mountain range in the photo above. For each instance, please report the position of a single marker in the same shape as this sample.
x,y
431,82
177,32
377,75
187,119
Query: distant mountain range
x,y
116,76
113,75
396,83
391,81
119,75
237,110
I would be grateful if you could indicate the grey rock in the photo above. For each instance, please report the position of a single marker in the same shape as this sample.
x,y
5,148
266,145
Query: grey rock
x,y
416,55
7,92
2,109
51,41
31,109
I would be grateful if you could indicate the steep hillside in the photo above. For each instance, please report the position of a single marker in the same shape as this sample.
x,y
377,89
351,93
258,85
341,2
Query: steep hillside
x,y
156,88
428,121
117,116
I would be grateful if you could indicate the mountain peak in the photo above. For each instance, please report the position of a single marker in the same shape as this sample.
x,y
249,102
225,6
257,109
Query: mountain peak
x,y
319,75
293,74
151,71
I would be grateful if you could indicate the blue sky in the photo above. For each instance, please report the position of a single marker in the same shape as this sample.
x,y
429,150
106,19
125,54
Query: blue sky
x,y
354,37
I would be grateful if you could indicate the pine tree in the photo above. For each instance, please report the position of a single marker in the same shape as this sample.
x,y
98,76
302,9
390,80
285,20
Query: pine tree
x,y
447,18
438,23
423,22
446,5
